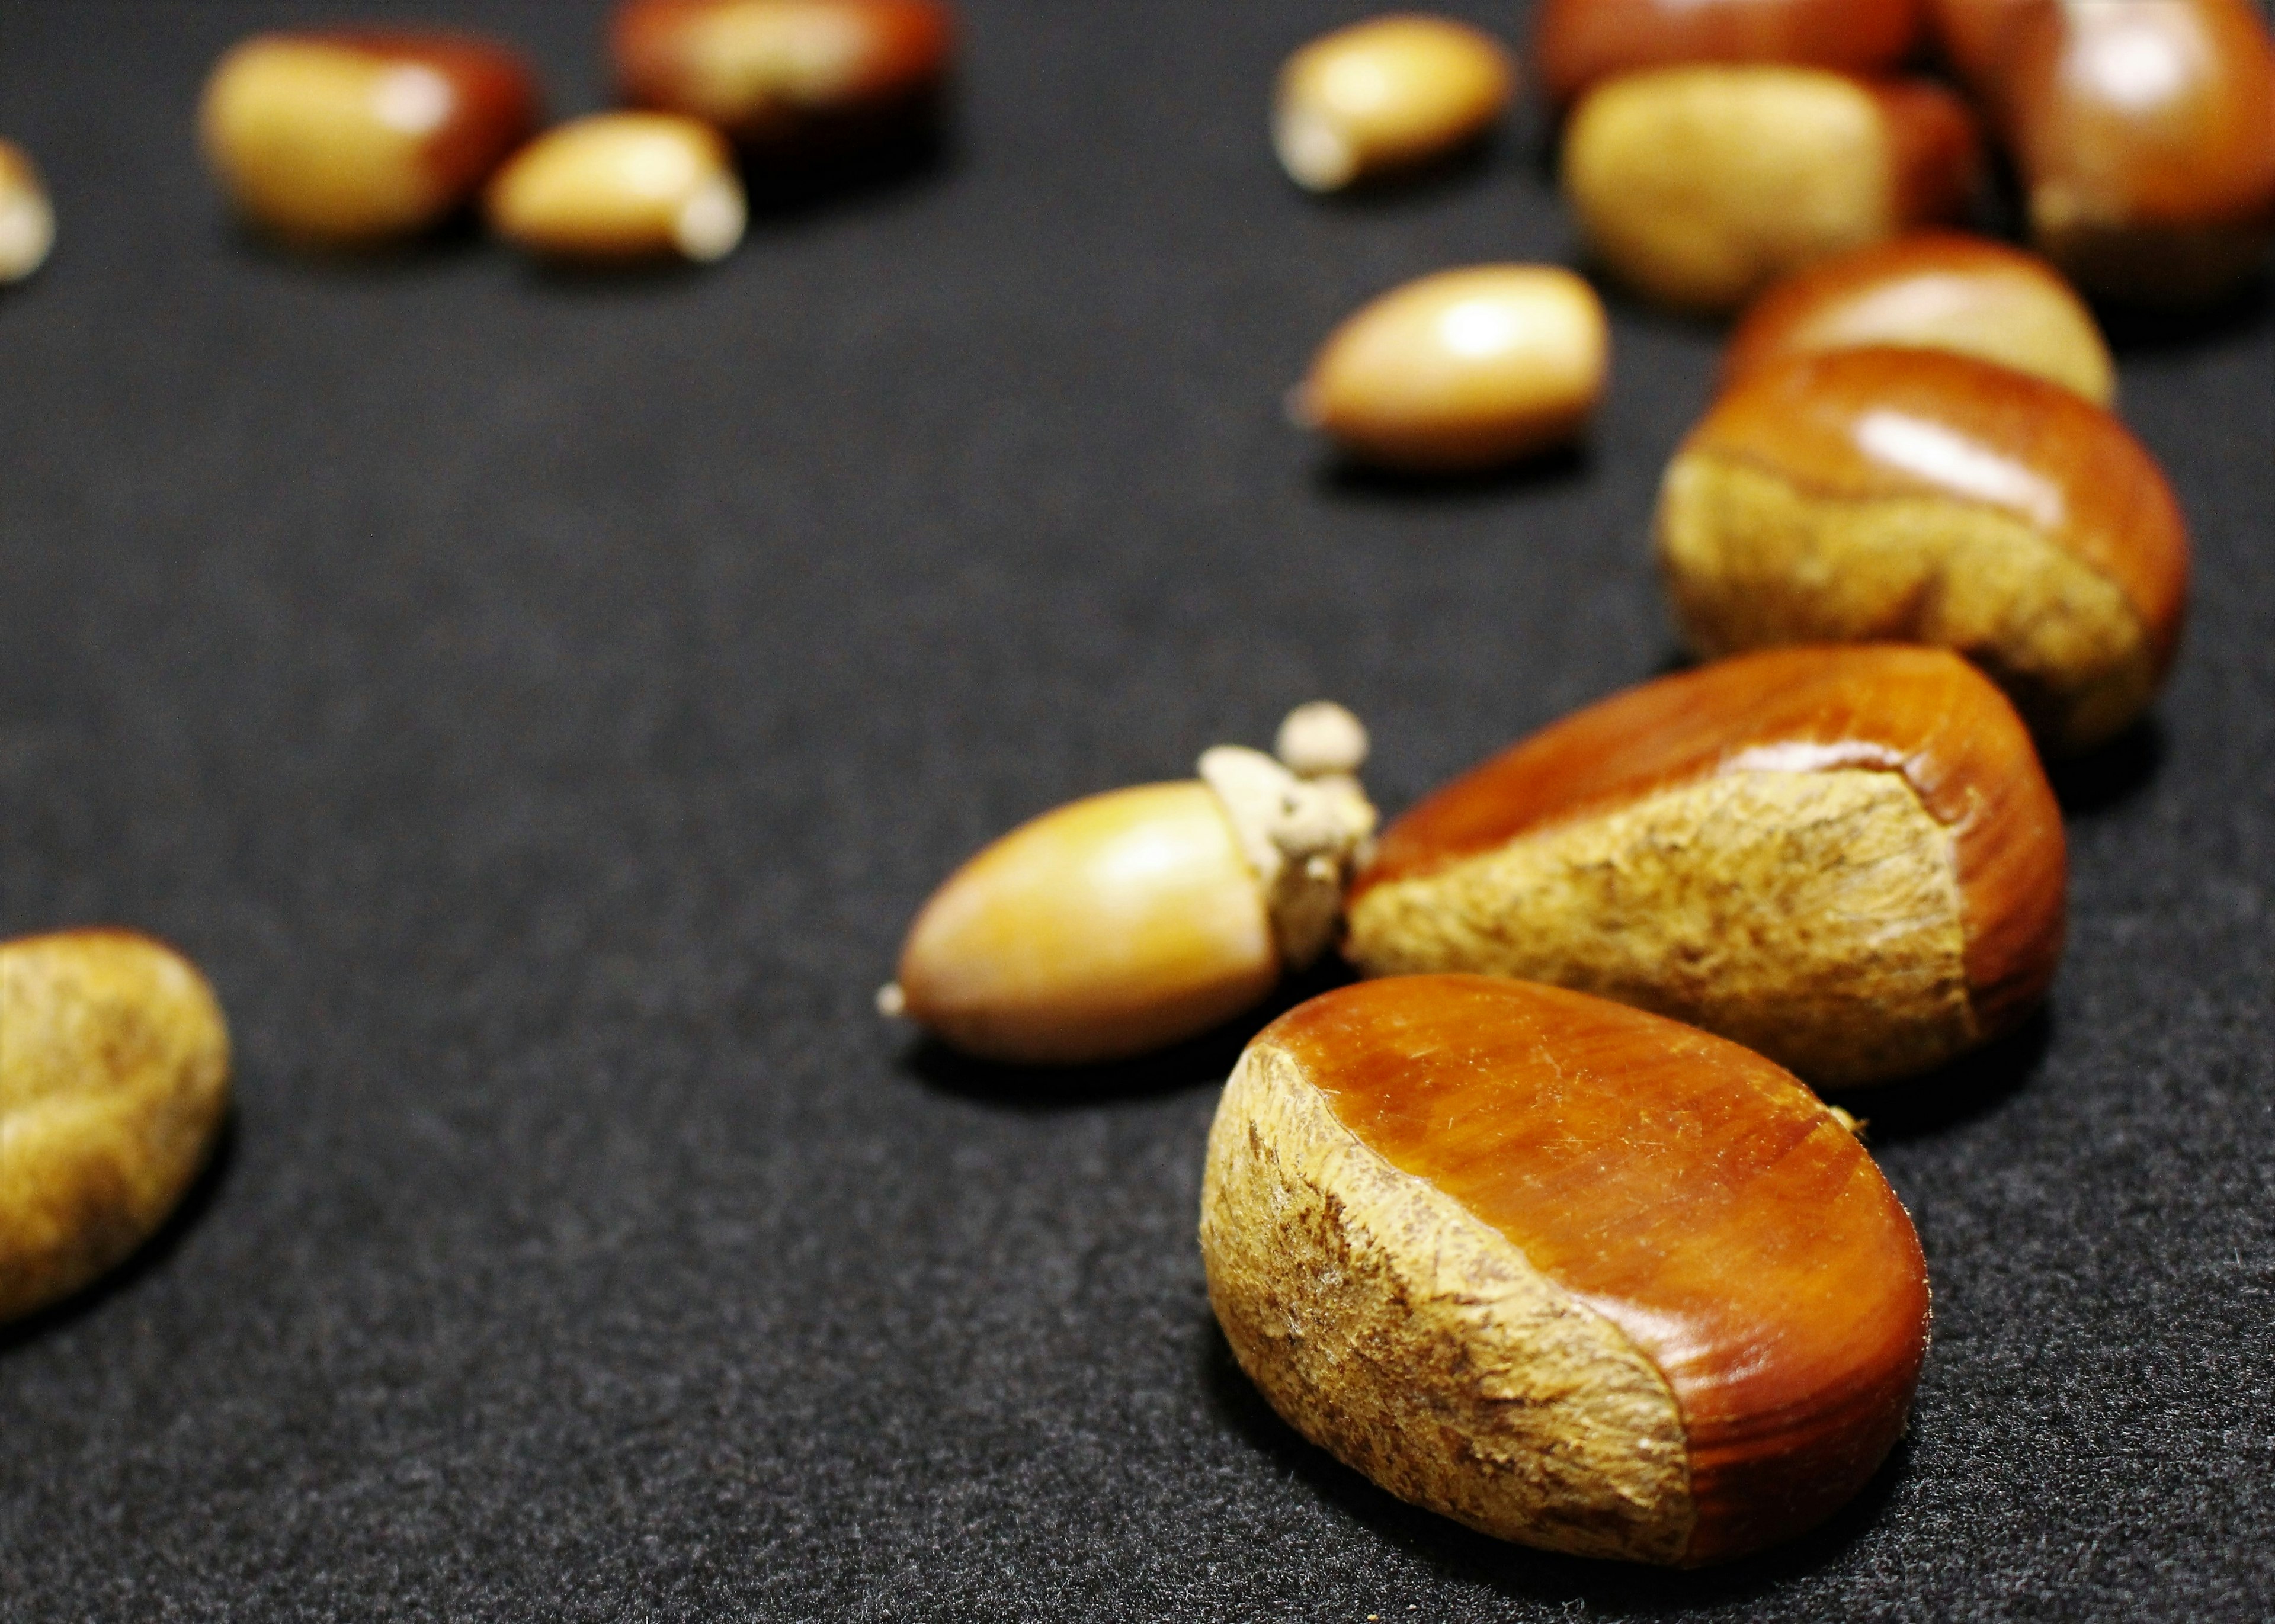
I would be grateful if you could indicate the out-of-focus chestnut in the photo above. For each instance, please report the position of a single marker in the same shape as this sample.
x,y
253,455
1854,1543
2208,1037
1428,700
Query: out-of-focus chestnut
x,y
1580,41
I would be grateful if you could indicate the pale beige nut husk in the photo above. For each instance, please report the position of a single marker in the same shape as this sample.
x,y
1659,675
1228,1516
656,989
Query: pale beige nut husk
x,y
114,1079
1813,915
738,61
1463,369
28,220
617,186
1699,186
1421,1345
1387,95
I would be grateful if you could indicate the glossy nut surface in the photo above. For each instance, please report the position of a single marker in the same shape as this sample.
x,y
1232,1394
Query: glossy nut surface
x,y
1385,95
2144,130
1907,494
352,138
114,1078
1578,42
1846,859
622,186
1463,369
1935,291
28,221
1573,1274
784,73
1700,186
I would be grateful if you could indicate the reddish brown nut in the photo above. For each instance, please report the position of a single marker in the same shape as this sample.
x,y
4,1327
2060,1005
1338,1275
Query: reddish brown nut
x,y
1933,291
1570,1273
1578,42
353,137
2143,129
1700,186
786,74
1847,858
1907,494
1979,37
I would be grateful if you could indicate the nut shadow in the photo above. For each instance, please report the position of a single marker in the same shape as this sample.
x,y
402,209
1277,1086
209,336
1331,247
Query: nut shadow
x,y
147,1259
1973,1085
915,152
2132,330
2111,774
454,241
1345,479
1518,1573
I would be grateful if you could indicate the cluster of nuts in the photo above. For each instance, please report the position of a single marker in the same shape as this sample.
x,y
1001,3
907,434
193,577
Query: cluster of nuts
x,y
348,139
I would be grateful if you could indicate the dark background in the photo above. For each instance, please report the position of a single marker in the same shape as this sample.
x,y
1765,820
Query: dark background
x,y
540,702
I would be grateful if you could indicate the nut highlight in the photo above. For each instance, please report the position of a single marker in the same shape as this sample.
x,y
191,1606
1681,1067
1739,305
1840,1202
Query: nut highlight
x,y
1387,95
622,186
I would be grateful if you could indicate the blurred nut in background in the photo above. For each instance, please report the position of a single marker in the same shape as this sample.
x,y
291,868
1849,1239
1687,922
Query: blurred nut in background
x,y
1978,38
1867,495
2144,130
114,1078
622,186
28,221
1463,369
355,138
1935,291
1387,95
786,72
1577,42
1699,186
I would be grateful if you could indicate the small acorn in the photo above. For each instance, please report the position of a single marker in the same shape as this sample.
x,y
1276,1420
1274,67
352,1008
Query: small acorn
x,y
1128,921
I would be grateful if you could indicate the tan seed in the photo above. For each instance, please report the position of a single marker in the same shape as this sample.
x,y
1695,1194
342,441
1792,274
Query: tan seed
x,y
28,221
1385,95
618,187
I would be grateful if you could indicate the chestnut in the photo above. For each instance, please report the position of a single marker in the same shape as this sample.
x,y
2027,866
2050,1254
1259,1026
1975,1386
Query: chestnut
x,y
1577,42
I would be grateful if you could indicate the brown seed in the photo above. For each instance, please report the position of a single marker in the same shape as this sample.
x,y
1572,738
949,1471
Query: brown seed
x,y
28,221
114,1078
1387,95
1936,291
1701,185
1579,43
622,186
1463,369
786,74
1847,858
1568,1272
1878,494
351,138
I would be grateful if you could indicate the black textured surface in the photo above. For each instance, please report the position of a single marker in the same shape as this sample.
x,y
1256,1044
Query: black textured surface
x,y
539,703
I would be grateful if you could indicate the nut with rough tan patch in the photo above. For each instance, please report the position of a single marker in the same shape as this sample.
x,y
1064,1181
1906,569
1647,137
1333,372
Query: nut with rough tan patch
x,y
1699,186
352,138
1463,369
1933,290
114,1078
1578,42
1847,858
619,187
28,220
1128,921
1568,1272
1870,495
1385,96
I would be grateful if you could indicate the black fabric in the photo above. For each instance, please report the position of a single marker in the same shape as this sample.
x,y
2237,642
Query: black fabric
x,y
540,702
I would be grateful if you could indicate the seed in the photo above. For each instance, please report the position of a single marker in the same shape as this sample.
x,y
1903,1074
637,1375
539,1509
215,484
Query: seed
x,y
1386,95
786,74
354,137
1877,493
1463,369
1579,43
619,186
28,221
1700,186
1937,290
1846,859
1321,738
1128,921
1568,1272
114,1078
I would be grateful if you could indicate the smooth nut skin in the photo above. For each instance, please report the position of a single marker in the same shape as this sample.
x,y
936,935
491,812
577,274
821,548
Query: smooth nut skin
x,y
1387,95
786,75
1115,925
1846,859
1571,1274
1578,42
1932,289
1699,186
1463,369
622,186
114,1078
1979,39
354,137
2144,132
28,220
1881,493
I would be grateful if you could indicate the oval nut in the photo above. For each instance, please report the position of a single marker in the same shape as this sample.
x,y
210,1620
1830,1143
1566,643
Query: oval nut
x,y
28,220
1387,94
622,186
